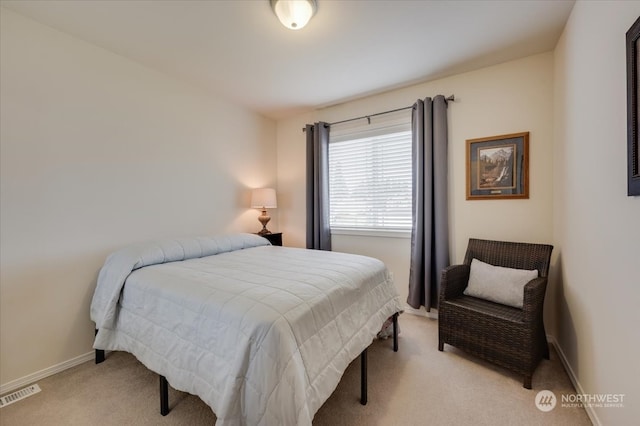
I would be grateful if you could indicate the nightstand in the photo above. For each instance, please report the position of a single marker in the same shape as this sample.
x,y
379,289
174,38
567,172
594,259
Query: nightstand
x,y
275,238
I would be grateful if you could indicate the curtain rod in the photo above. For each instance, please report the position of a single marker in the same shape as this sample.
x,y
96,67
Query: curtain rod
x,y
368,117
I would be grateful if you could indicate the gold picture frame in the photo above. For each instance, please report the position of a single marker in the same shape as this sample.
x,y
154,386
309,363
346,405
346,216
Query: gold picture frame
x,y
498,167
633,107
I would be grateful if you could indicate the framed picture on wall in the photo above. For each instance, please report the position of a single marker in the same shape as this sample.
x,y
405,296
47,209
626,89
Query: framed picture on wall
x,y
498,167
633,90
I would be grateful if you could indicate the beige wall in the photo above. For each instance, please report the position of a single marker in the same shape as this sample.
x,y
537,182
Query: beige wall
x,y
98,152
596,225
512,97
573,102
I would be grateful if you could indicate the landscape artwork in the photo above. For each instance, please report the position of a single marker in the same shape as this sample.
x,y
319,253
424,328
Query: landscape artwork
x,y
495,167
498,167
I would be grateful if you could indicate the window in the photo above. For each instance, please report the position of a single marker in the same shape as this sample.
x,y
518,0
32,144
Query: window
x,y
370,179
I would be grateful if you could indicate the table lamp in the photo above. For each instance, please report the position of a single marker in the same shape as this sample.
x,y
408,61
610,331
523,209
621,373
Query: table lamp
x,y
264,198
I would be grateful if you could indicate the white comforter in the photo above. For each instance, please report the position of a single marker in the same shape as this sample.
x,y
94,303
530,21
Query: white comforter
x,y
262,334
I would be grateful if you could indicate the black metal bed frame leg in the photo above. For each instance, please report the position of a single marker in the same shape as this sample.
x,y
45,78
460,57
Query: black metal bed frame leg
x,y
99,353
164,385
363,377
395,332
363,361
164,396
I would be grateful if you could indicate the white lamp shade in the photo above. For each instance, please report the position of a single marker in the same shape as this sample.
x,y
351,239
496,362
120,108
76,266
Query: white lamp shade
x,y
294,14
264,198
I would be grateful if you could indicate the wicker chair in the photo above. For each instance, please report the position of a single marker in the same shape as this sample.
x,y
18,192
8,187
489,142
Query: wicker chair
x,y
510,337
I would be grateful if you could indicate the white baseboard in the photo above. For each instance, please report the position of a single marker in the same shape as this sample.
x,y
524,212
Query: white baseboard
x,y
433,314
38,375
30,378
574,380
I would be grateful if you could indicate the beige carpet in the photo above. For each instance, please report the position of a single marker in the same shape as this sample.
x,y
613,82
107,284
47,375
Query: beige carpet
x,y
415,386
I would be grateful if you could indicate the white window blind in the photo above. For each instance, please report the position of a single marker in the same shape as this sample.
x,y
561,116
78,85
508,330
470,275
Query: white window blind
x,y
370,180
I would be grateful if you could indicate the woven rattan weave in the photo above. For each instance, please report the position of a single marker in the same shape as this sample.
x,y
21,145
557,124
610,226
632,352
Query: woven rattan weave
x,y
510,337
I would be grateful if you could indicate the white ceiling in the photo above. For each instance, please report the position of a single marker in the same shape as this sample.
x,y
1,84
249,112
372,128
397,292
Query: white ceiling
x,y
351,48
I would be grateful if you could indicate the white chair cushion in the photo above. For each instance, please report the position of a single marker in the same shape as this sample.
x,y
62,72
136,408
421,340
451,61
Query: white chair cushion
x,y
498,284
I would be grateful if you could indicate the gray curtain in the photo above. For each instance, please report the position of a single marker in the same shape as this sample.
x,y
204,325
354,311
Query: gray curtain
x,y
430,231
318,232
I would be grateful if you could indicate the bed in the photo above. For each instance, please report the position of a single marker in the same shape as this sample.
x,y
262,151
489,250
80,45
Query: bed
x,y
262,334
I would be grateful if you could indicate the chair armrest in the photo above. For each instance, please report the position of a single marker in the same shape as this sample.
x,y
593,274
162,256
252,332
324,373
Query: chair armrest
x,y
453,281
533,302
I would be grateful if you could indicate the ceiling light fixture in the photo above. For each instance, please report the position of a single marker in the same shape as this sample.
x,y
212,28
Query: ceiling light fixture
x,y
294,14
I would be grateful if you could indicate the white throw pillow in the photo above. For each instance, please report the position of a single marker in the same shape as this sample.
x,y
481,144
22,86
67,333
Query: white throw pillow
x,y
498,284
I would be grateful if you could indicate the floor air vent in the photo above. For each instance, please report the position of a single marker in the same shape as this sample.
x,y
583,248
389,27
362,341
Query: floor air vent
x,y
18,395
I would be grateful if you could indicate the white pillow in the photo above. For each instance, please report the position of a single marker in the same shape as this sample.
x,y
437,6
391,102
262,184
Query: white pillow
x,y
498,284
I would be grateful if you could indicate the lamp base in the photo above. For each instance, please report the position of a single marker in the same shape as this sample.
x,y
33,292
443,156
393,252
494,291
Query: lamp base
x,y
264,219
